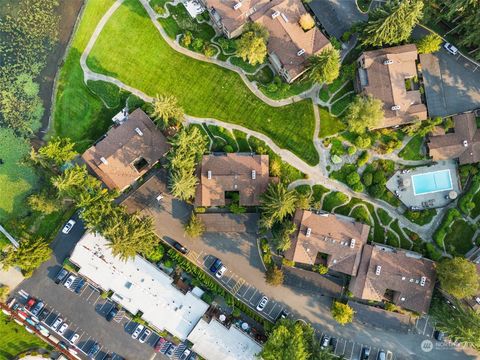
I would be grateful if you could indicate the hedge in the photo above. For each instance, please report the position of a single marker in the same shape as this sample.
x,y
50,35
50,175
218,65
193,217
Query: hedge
x,y
447,220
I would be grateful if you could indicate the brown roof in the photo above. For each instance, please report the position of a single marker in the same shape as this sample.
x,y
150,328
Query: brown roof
x,y
226,222
399,271
287,38
387,83
234,19
340,237
147,193
232,172
112,158
463,144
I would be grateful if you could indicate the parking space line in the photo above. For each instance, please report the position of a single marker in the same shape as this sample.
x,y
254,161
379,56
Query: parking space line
x,y
253,294
238,285
98,297
89,295
273,307
248,288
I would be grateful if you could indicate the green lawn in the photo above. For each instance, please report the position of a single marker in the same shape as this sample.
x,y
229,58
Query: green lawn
x,y
14,339
203,89
459,238
412,151
329,124
16,178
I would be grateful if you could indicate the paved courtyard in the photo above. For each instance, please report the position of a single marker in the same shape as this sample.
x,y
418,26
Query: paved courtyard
x,y
426,186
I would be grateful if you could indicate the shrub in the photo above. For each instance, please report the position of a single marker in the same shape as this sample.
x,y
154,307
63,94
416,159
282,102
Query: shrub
x,y
358,187
363,158
186,39
274,276
228,149
363,141
346,36
351,150
353,178
209,50
287,262
367,178
320,268
197,44
342,313
156,254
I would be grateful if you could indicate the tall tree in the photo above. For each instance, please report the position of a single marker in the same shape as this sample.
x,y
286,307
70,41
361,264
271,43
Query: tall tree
x,y
277,203
183,184
195,227
306,21
74,181
274,275
43,203
324,67
58,151
342,313
282,239
252,45
365,112
167,111
392,23
29,255
429,44
458,277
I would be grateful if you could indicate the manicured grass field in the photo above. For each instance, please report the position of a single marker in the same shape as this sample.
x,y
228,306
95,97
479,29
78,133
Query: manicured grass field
x,y
14,339
205,90
412,151
17,178
459,238
329,124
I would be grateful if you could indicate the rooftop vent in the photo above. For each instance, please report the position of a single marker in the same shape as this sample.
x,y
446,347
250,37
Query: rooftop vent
x,y
352,243
138,131
403,277
103,160
309,232
388,62
275,14
284,17
465,143
395,107
209,174
402,299
237,6
334,261
159,198
300,52
254,174
423,280
378,270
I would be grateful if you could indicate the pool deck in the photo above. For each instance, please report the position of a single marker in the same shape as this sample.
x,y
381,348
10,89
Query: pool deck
x,y
402,185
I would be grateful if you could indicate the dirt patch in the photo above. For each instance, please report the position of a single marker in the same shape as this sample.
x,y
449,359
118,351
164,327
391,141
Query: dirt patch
x,y
68,11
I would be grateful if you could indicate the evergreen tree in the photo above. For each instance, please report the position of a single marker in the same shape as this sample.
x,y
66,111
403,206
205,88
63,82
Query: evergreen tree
x,y
30,254
458,277
324,67
166,110
57,151
277,203
342,313
195,227
365,112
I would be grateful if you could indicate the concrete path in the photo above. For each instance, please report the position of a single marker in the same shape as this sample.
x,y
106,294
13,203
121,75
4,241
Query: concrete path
x,y
8,236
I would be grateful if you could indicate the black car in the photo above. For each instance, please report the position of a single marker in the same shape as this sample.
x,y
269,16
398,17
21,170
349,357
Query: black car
x,y
112,313
61,275
439,335
180,248
283,315
333,343
365,353
93,351
217,264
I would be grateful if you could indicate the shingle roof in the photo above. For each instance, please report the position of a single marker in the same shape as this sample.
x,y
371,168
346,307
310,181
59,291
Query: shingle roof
x,y
387,83
463,143
146,193
112,158
232,172
287,38
329,234
398,270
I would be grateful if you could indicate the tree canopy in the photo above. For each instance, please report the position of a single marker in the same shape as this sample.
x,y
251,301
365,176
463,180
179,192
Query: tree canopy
x,y
324,67
57,152
365,112
429,44
276,203
252,45
306,21
274,275
342,313
195,227
391,23
30,254
458,277
166,111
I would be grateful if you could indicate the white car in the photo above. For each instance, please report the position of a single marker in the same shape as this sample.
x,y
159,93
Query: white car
x,y
68,283
57,323
262,303
63,328
450,48
220,272
144,336
137,331
68,226
74,338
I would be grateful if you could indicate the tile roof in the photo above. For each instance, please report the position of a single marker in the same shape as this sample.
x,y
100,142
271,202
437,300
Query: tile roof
x,y
232,172
287,37
227,223
329,234
112,158
399,271
463,144
387,83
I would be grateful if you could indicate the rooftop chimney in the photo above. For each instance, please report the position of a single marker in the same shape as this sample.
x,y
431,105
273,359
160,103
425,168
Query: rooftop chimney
x,y
209,174
103,160
138,131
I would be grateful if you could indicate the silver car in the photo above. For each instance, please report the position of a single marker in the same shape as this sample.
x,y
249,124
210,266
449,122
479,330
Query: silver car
x,y
262,303
68,226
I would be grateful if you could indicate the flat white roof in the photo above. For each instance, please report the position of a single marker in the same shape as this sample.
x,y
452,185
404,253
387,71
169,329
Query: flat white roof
x,y
213,341
139,286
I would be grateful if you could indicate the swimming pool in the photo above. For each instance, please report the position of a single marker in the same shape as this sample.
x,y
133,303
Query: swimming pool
x,y
432,182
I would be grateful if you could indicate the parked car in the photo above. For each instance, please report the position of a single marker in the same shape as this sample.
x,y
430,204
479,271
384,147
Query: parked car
x,y
193,356
31,301
61,275
333,343
93,351
262,303
185,354
220,272
283,314
57,323
63,328
439,335
161,342
171,350
144,336
63,345
137,331
23,315
325,341
217,264
29,329
180,248
74,338
389,355
365,353
31,321
381,355
38,307
68,283
79,285
112,313
68,226
450,48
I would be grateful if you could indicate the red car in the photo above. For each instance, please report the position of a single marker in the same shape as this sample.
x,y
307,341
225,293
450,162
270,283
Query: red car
x,y
30,303
160,344
22,315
